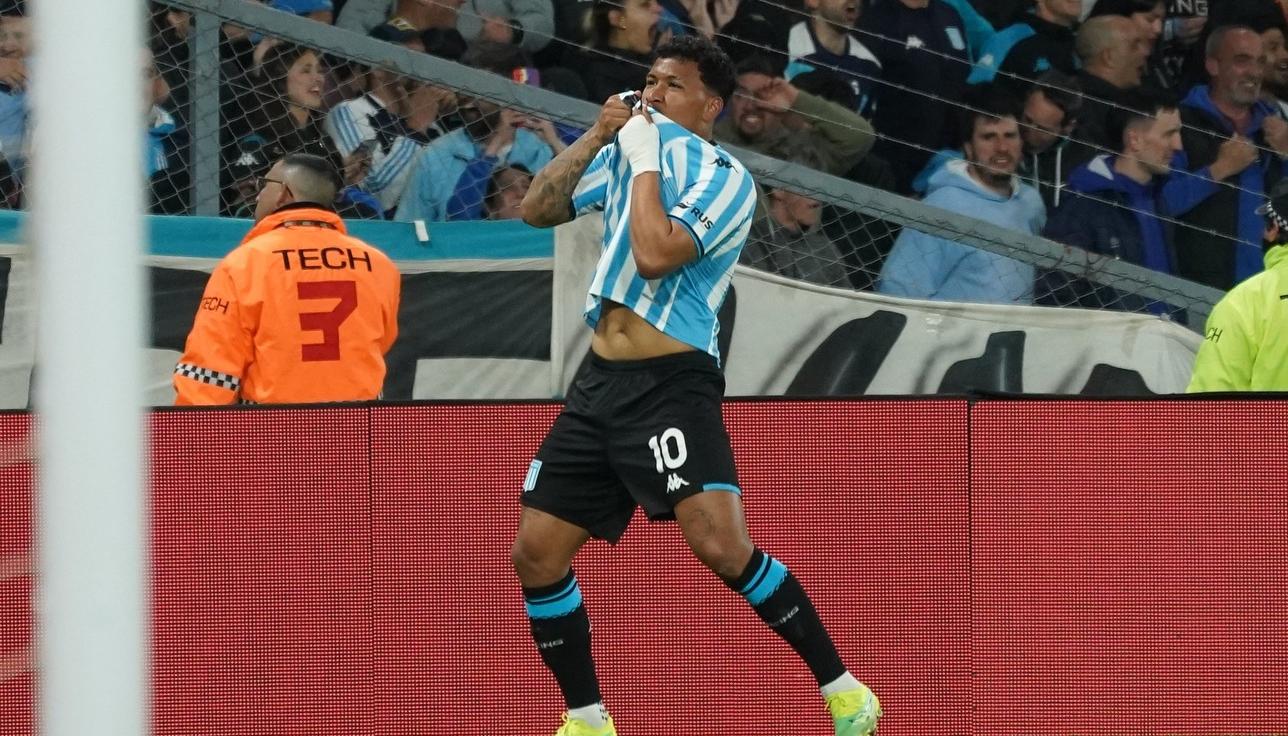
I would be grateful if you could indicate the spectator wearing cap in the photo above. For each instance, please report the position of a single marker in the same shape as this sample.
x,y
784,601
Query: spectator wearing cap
x,y
825,41
924,49
528,24
766,108
1037,41
374,126
1245,345
449,177
1229,128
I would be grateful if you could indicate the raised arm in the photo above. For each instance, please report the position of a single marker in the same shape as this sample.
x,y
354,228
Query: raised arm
x,y
549,198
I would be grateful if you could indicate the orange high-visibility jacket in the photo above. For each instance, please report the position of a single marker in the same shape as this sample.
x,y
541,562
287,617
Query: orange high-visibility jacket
x,y
299,312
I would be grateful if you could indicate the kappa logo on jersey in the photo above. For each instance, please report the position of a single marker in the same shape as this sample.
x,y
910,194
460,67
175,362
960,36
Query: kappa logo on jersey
x,y
722,163
674,483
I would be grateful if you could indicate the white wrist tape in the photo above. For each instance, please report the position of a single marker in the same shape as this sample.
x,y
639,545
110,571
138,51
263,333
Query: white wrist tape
x,y
641,145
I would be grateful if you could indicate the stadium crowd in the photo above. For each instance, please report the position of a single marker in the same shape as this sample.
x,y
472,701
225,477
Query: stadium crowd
x,y
1150,131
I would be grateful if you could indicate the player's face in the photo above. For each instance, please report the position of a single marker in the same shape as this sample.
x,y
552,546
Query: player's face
x,y
674,88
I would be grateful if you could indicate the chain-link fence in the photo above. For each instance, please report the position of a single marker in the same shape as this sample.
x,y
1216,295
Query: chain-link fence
x,y
418,136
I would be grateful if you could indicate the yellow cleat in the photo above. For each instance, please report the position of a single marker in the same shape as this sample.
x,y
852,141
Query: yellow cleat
x,y
854,712
578,727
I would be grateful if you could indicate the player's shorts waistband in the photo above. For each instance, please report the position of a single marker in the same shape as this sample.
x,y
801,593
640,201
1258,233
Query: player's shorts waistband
x,y
689,359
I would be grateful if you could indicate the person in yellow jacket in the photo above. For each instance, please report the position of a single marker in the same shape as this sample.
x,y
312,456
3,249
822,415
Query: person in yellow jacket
x,y
1245,347
300,312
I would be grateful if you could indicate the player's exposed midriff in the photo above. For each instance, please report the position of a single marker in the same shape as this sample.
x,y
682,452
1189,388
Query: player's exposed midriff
x,y
623,335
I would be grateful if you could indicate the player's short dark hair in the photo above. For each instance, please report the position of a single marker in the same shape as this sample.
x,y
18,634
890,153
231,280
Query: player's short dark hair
x,y
1146,104
985,102
714,66
321,182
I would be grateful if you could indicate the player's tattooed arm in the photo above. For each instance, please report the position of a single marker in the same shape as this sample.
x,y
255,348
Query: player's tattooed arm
x,y
549,198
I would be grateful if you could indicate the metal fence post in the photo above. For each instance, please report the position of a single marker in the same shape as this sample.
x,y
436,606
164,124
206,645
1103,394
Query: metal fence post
x,y
205,114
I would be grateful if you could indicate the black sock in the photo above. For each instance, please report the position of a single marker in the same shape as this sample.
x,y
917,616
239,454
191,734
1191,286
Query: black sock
x,y
780,601
561,630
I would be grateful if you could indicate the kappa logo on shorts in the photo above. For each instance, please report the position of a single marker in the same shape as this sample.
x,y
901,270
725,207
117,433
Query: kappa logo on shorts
x,y
674,483
530,481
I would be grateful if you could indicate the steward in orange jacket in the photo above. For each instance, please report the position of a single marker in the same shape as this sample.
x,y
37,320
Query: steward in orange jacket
x,y
299,312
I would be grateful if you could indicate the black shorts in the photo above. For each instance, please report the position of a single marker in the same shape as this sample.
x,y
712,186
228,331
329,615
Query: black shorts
x,y
647,433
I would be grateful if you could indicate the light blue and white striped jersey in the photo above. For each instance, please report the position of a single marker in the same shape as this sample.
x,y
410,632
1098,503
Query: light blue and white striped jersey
x,y
704,188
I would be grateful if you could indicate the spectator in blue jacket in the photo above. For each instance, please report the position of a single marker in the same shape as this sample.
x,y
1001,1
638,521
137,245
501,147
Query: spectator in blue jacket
x,y
449,178
1226,113
1112,206
983,186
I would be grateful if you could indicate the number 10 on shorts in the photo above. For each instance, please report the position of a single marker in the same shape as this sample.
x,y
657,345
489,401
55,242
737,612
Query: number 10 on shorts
x,y
668,449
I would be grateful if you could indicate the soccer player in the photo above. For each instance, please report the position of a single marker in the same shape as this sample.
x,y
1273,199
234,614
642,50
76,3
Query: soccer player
x,y
642,424
300,312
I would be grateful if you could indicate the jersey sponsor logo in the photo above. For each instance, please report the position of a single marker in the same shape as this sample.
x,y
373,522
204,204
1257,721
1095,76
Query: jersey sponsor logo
x,y
914,42
1213,334
530,482
698,214
674,483
316,259
722,163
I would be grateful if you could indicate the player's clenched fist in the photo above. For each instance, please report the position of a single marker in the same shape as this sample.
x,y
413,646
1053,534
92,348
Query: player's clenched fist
x,y
612,116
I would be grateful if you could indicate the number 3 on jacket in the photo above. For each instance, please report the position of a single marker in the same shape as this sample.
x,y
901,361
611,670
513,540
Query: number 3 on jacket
x,y
328,323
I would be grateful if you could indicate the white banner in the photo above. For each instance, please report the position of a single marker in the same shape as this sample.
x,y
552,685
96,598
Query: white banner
x,y
793,338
